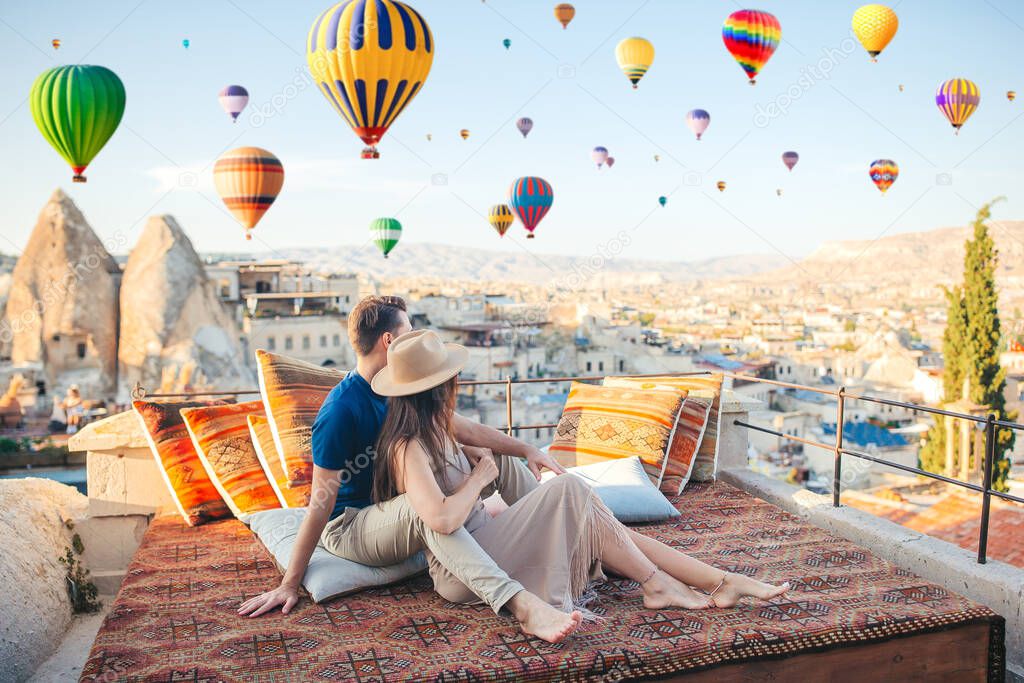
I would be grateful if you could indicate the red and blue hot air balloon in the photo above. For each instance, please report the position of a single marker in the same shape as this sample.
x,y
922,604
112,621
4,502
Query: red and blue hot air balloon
x,y
530,198
233,99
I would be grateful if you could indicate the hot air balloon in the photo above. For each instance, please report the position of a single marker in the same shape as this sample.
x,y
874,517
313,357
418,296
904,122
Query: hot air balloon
x,y
884,173
875,26
186,43
957,99
663,200
248,180
77,108
464,133
525,125
751,37
1011,95
721,185
507,43
778,192
370,59
530,198
790,159
56,43
500,217
429,137
657,157
901,87
635,56
610,162
564,12
599,155
698,120
385,233
233,99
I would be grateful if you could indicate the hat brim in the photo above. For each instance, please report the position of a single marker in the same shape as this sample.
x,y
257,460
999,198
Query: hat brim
x,y
384,383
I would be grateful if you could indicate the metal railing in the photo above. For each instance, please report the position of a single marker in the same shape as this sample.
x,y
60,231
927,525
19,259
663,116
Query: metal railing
x,y
838,448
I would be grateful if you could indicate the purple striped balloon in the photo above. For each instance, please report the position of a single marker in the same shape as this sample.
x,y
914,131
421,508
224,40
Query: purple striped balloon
x,y
233,99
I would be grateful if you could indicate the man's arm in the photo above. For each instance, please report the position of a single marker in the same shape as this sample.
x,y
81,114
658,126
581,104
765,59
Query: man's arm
x,y
321,504
472,433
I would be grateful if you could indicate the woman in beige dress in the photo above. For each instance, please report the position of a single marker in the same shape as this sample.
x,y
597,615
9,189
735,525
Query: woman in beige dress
x,y
555,540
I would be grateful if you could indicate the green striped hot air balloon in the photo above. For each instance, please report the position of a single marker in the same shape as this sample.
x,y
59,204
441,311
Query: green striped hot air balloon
x,y
386,232
77,108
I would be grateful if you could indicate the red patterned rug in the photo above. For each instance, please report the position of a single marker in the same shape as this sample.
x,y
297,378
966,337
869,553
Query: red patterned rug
x,y
174,618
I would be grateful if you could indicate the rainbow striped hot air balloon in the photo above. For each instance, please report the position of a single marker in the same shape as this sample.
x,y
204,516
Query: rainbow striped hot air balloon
x,y
385,233
884,173
500,217
531,198
957,99
248,180
370,59
233,99
635,56
77,108
698,120
751,37
875,26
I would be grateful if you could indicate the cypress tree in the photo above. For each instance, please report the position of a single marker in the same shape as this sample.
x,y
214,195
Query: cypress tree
x,y
933,454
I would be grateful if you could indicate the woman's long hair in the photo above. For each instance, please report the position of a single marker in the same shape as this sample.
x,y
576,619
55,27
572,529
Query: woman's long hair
x,y
425,417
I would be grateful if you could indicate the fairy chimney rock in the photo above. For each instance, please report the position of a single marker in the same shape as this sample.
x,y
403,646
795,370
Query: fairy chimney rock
x,y
61,309
171,317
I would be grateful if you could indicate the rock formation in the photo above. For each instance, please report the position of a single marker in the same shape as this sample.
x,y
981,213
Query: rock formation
x,y
172,322
62,306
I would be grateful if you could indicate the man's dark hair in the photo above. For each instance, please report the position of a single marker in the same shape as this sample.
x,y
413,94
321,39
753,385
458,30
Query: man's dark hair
x,y
372,317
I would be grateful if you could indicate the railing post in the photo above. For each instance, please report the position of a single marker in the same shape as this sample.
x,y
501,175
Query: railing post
x,y
986,486
508,404
837,462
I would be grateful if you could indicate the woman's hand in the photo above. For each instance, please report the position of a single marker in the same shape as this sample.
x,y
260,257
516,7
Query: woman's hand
x,y
284,595
485,470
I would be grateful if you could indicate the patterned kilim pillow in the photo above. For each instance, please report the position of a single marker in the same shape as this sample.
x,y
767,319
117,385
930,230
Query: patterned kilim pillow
x,y
266,451
607,423
707,387
195,495
221,437
293,391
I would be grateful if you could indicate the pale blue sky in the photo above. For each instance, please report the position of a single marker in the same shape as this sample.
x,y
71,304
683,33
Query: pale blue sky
x,y
173,124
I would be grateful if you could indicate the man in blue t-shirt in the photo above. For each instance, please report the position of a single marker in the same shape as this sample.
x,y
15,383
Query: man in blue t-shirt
x,y
340,513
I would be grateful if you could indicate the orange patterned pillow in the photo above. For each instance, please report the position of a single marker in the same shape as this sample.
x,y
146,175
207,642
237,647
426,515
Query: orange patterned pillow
x,y
293,391
606,423
221,437
705,387
266,451
195,495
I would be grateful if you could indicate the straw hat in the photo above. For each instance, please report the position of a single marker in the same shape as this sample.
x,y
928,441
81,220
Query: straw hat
x,y
418,361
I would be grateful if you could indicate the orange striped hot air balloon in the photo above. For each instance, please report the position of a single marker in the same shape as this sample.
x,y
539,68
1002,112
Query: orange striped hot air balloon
x,y
564,12
248,180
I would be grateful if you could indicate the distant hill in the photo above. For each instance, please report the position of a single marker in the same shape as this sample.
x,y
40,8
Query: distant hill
x,y
460,263
916,259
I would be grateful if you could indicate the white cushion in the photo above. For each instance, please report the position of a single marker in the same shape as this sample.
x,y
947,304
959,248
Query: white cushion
x,y
625,488
328,575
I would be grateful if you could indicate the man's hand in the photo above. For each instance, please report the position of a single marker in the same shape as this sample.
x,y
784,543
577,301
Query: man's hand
x,y
263,603
538,460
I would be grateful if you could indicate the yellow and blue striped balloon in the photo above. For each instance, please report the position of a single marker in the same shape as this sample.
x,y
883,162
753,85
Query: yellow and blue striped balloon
x,y
370,58
957,99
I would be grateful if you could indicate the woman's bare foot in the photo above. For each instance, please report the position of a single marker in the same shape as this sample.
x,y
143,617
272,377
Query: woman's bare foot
x,y
737,586
538,618
661,590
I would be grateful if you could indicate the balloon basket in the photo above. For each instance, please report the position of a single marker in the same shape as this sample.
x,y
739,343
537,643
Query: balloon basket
x,y
753,82
248,234
78,178
530,236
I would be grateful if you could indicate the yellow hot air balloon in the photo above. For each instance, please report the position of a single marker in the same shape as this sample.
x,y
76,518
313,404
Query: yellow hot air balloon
x,y
1011,95
464,133
55,42
564,12
875,26
370,59
721,186
635,56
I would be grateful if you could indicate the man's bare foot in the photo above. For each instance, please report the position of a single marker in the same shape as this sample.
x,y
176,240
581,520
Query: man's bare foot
x,y
661,590
538,618
737,586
